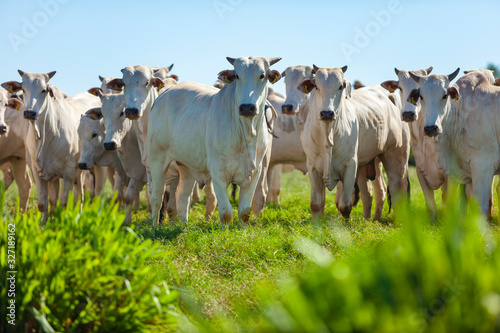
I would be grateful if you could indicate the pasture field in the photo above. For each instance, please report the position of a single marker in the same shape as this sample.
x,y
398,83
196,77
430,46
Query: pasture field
x,y
224,276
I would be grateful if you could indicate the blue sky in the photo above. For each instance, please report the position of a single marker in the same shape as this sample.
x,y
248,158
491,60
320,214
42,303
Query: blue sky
x,y
84,39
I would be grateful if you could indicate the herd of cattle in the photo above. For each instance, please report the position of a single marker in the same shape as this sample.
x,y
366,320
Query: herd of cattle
x,y
146,128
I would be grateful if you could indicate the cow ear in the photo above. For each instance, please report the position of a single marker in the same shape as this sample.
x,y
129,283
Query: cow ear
x,y
158,83
414,96
50,91
95,91
497,82
454,93
115,84
94,114
175,77
390,85
306,86
14,103
227,75
348,89
12,86
273,76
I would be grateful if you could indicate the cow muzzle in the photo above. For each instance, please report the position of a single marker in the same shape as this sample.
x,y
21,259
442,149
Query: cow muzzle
x,y
248,110
30,115
110,145
432,130
287,109
83,166
132,113
327,115
3,129
409,116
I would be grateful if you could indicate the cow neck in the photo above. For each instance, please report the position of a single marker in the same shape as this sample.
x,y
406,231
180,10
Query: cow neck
x,y
141,124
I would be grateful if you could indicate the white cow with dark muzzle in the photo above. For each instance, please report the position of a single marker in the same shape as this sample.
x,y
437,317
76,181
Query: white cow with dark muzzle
x,y
464,120
344,131
52,140
12,134
219,135
291,107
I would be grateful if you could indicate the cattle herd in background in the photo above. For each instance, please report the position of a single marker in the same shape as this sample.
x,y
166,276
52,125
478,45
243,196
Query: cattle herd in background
x,y
145,128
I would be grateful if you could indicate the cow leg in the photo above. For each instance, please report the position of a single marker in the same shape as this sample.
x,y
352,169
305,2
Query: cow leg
x,y
225,208
211,200
380,189
110,173
196,194
158,167
20,173
117,188
366,193
53,192
430,203
43,202
317,194
349,178
172,201
183,193
100,174
396,167
498,196
482,176
260,192
274,182
8,175
247,193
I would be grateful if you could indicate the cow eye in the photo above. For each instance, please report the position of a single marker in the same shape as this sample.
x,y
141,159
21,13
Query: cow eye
x,y
94,135
445,96
44,91
122,113
341,86
262,77
146,84
236,77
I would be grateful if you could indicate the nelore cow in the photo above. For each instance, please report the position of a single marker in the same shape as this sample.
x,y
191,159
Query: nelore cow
x,y
292,106
464,119
219,135
345,130
52,139
13,151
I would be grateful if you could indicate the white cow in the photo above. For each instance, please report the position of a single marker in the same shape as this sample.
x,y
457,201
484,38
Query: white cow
x,y
344,131
52,139
13,151
293,76
92,153
464,119
219,135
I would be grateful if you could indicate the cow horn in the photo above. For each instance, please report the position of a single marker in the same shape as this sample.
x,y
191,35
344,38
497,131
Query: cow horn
x,y
396,70
415,77
453,75
170,67
429,70
51,74
20,72
284,73
344,69
231,60
315,69
272,61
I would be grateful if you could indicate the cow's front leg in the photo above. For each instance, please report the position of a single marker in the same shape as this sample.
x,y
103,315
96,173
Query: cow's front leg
x,y
365,192
274,183
210,199
68,184
133,189
482,176
317,194
225,209
247,193
348,180
21,175
380,190
183,193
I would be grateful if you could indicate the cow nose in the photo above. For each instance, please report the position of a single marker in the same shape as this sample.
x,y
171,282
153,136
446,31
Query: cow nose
x,y
132,113
327,115
3,129
31,115
409,116
247,110
287,109
431,130
109,145
83,166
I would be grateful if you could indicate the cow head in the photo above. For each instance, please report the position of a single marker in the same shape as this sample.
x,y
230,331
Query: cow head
x,y
139,87
406,85
7,105
330,88
293,76
250,76
91,133
164,72
436,95
116,125
36,91
104,84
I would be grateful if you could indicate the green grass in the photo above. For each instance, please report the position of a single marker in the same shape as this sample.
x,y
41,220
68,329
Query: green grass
x,y
219,271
